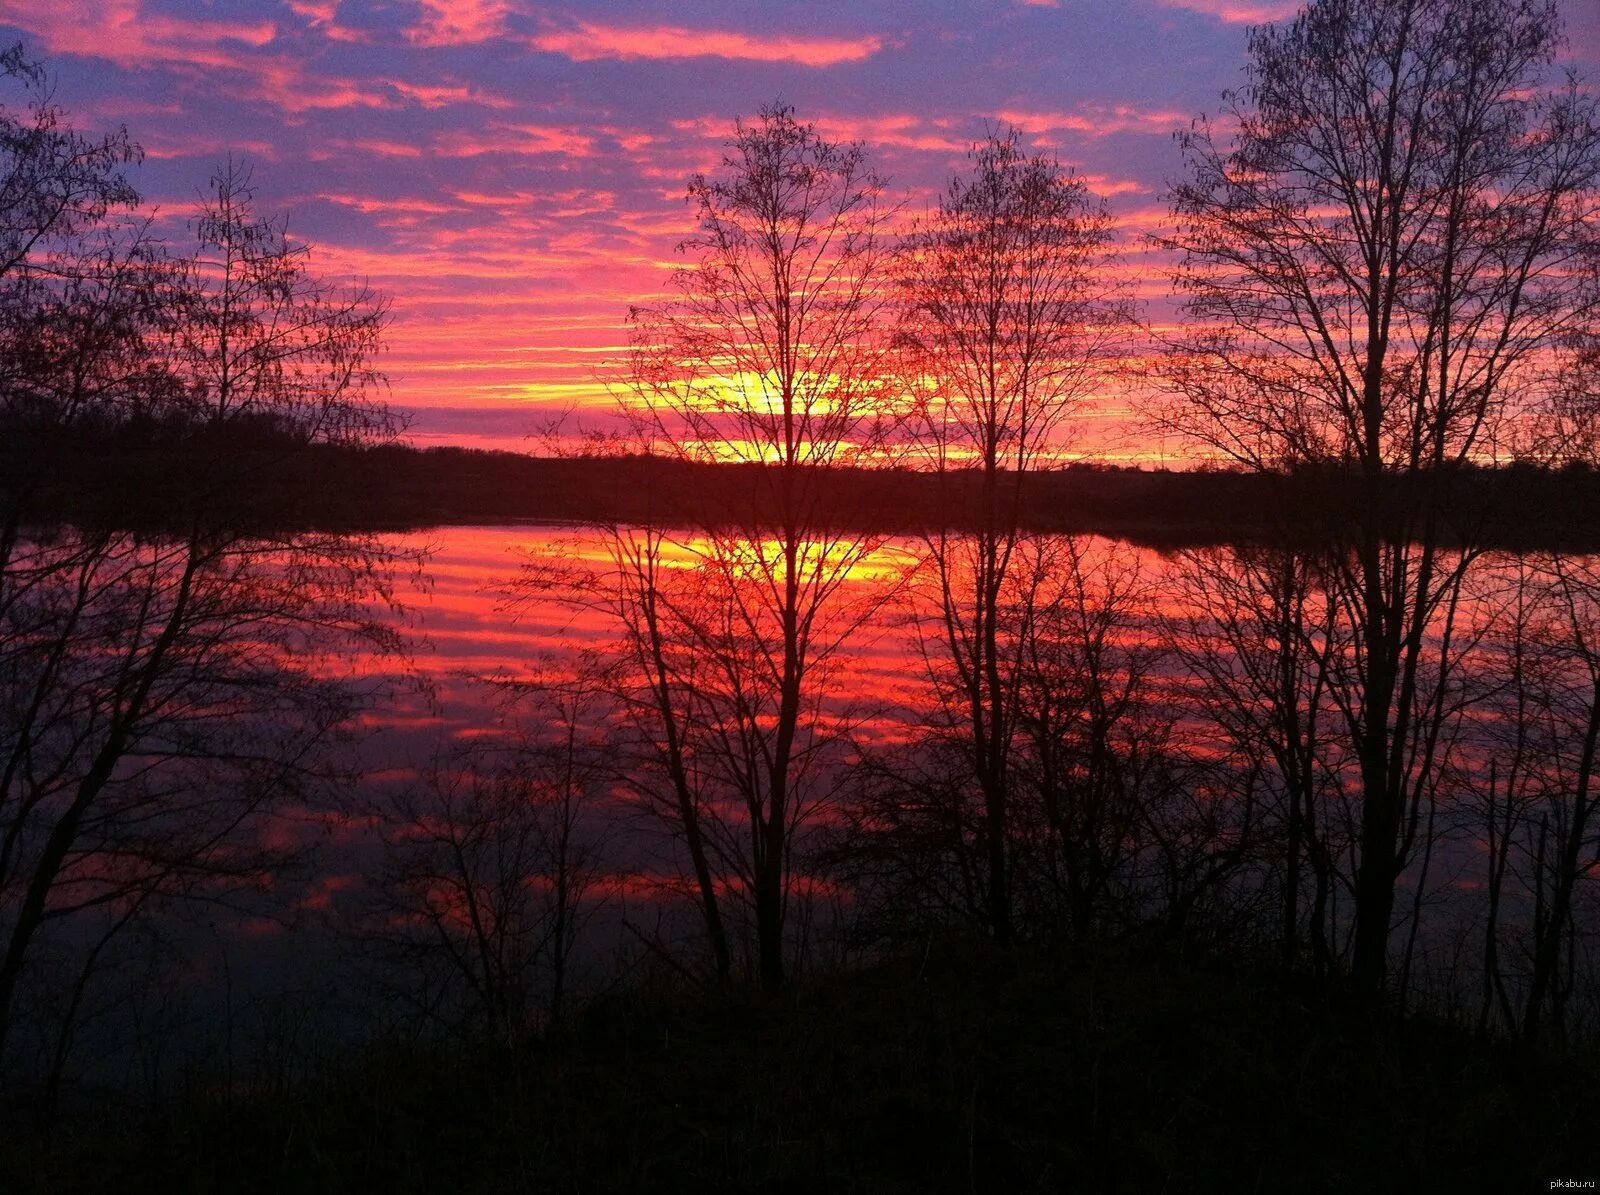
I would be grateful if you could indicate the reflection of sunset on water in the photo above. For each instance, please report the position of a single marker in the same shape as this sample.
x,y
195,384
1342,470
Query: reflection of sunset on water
x,y
464,627
462,624
464,631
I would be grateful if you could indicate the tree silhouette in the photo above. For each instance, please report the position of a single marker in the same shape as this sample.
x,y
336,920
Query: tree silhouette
x,y
1008,319
1376,263
490,861
770,354
164,692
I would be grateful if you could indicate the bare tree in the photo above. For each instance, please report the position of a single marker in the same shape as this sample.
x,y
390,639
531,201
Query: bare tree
x,y
260,339
1112,826
1535,788
58,189
165,690
769,355
567,759
1569,427
1375,262
490,861
55,182
1097,770
1257,634
658,682
1009,317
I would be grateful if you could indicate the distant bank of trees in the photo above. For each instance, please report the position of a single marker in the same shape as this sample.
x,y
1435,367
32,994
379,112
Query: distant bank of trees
x,y
123,476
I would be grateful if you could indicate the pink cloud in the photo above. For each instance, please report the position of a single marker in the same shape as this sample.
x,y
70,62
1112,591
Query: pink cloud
x,y
339,148
322,15
285,85
1106,186
160,145
899,131
459,22
375,205
514,139
1239,12
589,42
317,12
120,31
443,95
1098,120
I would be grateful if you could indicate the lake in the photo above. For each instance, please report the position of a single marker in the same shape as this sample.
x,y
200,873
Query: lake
x,y
505,781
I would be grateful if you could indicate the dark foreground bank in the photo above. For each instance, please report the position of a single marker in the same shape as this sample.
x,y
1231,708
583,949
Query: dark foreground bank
x,y
952,1072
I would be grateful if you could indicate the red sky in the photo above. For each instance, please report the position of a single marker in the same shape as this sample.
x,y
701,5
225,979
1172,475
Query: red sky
x,y
512,173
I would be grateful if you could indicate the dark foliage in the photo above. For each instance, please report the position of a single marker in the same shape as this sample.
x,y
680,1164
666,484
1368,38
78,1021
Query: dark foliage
x,y
1129,1072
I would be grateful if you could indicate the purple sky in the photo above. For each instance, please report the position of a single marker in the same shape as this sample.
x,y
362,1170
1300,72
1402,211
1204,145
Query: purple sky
x,y
512,173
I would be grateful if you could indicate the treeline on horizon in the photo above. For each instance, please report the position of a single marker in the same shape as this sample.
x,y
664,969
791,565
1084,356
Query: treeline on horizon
x,y
260,480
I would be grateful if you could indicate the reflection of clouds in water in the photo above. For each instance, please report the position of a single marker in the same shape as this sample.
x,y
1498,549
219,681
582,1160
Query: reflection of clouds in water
x,y
461,632
436,697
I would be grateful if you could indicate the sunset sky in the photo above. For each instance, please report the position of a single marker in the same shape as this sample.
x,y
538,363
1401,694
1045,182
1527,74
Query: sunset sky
x,y
511,173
